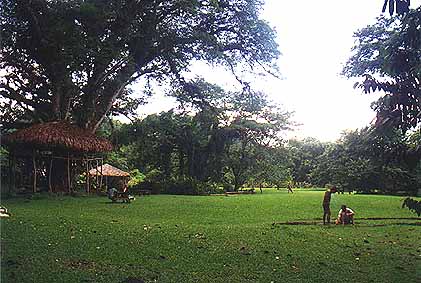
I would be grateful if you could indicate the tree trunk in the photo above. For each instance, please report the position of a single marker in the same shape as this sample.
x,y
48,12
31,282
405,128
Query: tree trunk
x,y
237,184
34,173
181,163
59,176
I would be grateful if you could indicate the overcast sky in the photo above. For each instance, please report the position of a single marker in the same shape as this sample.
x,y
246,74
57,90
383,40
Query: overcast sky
x,y
315,39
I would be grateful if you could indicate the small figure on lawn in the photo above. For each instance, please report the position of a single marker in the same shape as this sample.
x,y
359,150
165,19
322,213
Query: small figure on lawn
x,y
289,187
125,189
345,216
326,204
112,192
4,212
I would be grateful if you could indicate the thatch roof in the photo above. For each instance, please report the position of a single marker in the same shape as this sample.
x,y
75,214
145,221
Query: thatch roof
x,y
57,135
108,170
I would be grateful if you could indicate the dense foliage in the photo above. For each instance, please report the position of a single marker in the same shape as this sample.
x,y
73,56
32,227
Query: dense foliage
x,y
413,205
303,157
224,139
74,60
398,6
388,56
184,155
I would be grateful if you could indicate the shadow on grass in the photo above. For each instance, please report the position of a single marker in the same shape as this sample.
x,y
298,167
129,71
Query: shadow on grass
x,y
362,222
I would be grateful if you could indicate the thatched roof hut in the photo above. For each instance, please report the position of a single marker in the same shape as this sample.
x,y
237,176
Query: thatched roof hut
x,y
53,154
57,135
108,170
114,177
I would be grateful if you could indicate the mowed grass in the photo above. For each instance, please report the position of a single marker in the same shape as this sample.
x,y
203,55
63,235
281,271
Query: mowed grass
x,y
167,238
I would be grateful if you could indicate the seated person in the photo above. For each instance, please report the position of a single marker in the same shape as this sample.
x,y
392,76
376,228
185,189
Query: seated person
x,y
125,190
112,192
3,212
345,216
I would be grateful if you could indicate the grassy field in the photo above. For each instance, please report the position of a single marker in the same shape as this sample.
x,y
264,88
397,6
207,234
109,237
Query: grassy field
x,y
166,238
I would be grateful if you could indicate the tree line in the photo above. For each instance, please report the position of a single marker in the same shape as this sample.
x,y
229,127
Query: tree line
x,y
221,139
75,61
218,149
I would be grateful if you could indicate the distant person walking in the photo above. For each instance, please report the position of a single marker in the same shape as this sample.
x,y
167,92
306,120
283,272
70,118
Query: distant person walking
x,y
326,204
289,187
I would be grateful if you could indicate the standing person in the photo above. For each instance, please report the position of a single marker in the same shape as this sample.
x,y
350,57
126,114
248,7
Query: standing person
x,y
289,187
326,204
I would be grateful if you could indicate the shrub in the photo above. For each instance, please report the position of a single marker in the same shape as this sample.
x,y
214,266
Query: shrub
x,y
136,177
412,205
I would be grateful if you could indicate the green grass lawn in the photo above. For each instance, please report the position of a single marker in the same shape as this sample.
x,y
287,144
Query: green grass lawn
x,y
166,238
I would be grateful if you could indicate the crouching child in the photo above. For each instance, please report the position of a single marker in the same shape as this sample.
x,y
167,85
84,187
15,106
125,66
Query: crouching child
x,y
345,216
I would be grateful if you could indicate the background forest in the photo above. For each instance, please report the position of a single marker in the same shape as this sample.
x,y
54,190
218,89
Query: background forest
x,y
215,151
75,62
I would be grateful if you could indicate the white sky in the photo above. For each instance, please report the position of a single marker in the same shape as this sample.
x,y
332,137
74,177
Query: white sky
x,y
315,39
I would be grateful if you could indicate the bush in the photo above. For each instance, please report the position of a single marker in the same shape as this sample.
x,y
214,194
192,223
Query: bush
x,y
228,187
413,205
154,188
136,177
190,186
153,181
157,183
183,186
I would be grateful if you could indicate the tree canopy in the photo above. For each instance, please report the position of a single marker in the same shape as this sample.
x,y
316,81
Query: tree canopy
x,y
398,6
388,56
223,138
370,160
74,60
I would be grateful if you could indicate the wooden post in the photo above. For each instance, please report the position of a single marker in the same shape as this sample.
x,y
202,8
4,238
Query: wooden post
x,y
34,163
68,173
50,188
10,170
14,172
100,179
97,175
87,176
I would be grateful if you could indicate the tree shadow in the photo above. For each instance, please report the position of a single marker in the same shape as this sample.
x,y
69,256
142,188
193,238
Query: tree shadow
x,y
116,202
360,222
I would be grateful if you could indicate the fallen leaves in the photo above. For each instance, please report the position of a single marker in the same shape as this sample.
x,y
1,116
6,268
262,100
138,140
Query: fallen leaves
x,y
200,236
133,280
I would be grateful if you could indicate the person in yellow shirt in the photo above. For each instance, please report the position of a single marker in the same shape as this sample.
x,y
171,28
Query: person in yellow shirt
x,y
326,204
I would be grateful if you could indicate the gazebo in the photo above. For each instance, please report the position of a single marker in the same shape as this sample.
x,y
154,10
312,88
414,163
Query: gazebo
x,y
52,155
111,174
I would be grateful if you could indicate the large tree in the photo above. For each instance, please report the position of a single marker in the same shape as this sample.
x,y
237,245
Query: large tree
x,y
74,59
388,56
214,135
303,155
369,159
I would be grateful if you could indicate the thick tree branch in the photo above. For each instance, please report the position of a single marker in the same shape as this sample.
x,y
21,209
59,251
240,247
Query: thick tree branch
x,y
10,93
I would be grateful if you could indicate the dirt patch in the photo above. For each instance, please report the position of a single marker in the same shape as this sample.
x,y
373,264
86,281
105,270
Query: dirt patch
x,y
11,263
356,222
298,223
389,218
133,280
